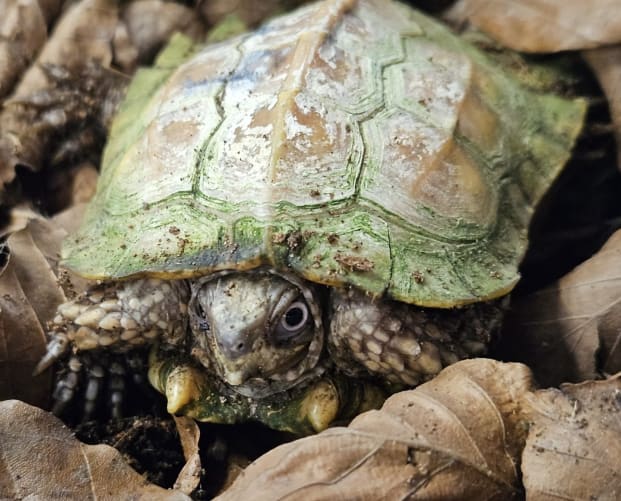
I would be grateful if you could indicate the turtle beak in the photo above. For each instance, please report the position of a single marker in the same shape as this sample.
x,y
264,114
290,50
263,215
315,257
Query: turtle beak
x,y
236,378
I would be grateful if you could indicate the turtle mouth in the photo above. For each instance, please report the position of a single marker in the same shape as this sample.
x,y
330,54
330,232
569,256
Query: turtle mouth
x,y
306,409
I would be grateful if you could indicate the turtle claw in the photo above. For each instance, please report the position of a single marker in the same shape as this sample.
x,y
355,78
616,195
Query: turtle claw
x,y
116,390
89,388
66,386
55,349
95,380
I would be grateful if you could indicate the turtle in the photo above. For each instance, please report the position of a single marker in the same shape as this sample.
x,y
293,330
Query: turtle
x,y
298,221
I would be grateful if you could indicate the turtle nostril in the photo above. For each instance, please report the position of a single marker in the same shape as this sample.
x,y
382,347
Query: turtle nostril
x,y
240,346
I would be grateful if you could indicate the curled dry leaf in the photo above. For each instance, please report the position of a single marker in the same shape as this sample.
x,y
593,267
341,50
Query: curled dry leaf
x,y
606,64
29,295
458,436
150,23
83,33
64,102
571,331
543,25
573,449
190,474
23,30
250,12
41,459
74,184
49,96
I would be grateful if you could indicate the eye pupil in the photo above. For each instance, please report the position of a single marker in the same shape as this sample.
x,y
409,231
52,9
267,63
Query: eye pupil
x,y
294,316
294,319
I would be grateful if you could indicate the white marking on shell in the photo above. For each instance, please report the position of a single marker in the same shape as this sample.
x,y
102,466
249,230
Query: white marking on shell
x,y
58,320
90,317
134,303
158,296
154,317
294,128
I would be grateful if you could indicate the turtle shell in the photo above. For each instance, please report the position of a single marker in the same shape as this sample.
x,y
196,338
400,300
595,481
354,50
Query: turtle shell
x,y
348,142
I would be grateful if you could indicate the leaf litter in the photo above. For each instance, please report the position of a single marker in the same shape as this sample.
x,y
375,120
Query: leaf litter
x,y
483,451
571,331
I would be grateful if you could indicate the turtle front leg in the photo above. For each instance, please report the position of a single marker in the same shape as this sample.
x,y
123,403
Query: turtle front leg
x,y
108,319
403,343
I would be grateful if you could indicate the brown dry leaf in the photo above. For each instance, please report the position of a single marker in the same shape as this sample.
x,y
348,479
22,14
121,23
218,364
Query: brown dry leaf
x,y
84,32
543,25
571,331
40,107
606,64
29,295
250,12
190,474
458,436
23,30
41,459
150,23
66,99
73,183
573,450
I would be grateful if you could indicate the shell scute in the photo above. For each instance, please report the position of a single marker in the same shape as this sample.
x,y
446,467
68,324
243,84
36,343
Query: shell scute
x,y
353,142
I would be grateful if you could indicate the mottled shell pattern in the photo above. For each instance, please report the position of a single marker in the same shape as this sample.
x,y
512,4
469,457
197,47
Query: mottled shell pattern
x,y
349,142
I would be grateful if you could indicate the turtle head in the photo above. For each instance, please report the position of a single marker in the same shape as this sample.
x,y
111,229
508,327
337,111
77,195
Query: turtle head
x,y
259,339
260,332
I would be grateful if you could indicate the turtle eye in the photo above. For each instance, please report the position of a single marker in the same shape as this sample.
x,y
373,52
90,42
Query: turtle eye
x,y
293,321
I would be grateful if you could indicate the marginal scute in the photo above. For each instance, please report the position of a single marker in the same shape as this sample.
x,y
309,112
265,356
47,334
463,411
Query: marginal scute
x,y
363,120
